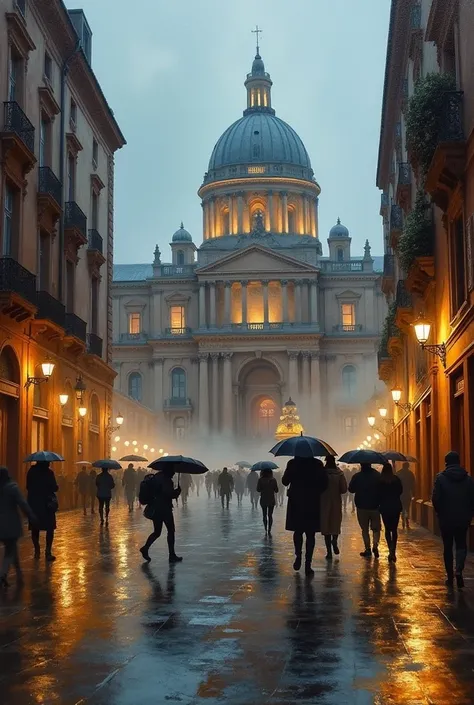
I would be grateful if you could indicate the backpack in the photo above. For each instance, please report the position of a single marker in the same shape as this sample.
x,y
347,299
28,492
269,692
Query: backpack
x,y
147,491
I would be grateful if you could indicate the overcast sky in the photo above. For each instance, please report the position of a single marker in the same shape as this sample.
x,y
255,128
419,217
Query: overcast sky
x,y
173,73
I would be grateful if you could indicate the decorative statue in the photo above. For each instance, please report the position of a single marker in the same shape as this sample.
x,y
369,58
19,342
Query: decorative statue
x,y
259,225
367,250
157,259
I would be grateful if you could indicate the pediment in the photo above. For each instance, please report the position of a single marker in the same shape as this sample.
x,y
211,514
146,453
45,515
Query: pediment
x,y
349,294
257,260
177,297
136,304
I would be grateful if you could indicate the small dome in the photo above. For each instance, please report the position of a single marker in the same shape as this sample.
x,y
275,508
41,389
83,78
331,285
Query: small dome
x,y
258,67
182,235
339,230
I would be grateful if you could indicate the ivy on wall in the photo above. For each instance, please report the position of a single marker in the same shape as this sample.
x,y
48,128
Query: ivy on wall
x,y
417,239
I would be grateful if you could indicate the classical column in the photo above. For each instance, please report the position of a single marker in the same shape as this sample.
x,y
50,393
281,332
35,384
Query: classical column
x,y
293,375
215,391
227,396
284,197
240,213
203,206
158,383
203,393
265,301
314,301
306,382
244,301
212,304
227,302
298,306
316,226
315,388
271,218
284,300
311,217
212,232
202,305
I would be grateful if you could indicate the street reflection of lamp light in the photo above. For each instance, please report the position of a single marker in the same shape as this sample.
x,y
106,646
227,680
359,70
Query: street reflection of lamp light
x,y
371,420
63,399
82,411
422,331
47,368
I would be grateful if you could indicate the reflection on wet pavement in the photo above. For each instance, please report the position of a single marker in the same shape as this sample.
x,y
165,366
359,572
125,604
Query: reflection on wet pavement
x,y
232,623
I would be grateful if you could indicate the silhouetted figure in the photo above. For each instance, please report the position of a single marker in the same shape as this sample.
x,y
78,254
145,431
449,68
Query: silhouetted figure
x,y
307,480
215,482
390,507
281,490
226,485
41,486
11,499
407,478
239,486
251,484
208,482
160,511
141,474
198,480
453,501
331,506
105,484
347,496
186,483
82,486
365,486
129,484
267,486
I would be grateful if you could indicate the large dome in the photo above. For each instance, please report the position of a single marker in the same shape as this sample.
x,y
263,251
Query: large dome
x,y
259,138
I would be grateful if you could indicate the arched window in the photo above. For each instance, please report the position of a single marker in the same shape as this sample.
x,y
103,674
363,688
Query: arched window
x,y
180,258
266,417
95,410
291,220
340,254
178,383
9,368
179,428
349,380
135,386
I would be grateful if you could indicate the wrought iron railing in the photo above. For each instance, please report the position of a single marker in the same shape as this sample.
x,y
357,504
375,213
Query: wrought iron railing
x,y
403,297
75,218
178,331
141,337
94,344
16,121
178,402
353,266
95,241
173,270
49,184
51,309
396,217
345,328
388,265
451,128
16,279
404,174
76,327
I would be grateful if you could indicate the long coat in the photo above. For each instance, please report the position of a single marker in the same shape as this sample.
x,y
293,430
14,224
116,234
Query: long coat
x,y
331,502
42,487
11,499
306,480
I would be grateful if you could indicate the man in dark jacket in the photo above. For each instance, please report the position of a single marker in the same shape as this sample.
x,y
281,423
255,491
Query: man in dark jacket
x,y
365,486
453,501
162,513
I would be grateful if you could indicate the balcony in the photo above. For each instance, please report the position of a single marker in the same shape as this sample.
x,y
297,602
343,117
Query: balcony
x,y
385,363
184,332
346,328
449,160
173,270
396,225
404,185
75,225
341,267
76,327
177,404
95,254
17,290
388,276
48,198
133,338
94,344
404,307
51,312
19,136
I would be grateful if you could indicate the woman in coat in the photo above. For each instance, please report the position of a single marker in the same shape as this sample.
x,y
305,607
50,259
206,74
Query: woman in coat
x,y
306,480
105,484
41,486
10,523
331,506
267,486
390,506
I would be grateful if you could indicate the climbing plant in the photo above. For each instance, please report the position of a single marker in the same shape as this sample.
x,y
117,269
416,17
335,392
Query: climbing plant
x,y
417,239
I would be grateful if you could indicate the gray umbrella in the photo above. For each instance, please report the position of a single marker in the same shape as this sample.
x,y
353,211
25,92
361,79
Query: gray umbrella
x,y
264,465
43,456
355,457
180,464
107,463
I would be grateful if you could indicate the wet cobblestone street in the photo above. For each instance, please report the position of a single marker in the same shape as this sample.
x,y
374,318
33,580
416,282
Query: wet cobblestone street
x,y
233,623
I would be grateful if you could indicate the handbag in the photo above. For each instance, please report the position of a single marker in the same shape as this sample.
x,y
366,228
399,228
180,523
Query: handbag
x,y
52,504
149,511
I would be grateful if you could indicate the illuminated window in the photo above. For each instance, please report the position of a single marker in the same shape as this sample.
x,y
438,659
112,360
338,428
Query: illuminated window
x,y
135,386
349,380
266,417
267,409
134,323
177,322
348,316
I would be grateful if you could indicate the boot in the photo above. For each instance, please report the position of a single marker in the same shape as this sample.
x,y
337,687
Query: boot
x,y
459,580
327,541
366,554
335,547
297,563
174,558
145,554
407,523
265,524
307,569
404,521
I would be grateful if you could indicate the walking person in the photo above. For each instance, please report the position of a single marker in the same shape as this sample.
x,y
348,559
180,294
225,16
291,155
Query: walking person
x,y
208,483
365,487
331,506
11,499
129,483
186,484
82,487
226,485
251,484
390,507
348,475
105,484
453,502
41,489
160,510
92,489
267,486
239,486
306,480
407,478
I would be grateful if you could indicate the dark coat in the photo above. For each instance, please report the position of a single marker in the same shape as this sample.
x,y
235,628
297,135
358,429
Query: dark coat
x,y
390,497
306,479
105,484
82,482
268,488
11,499
365,486
41,486
453,497
164,492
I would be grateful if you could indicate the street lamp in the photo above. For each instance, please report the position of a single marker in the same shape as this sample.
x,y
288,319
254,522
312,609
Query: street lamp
x,y
82,411
145,447
371,420
152,450
47,368
422,331
383,412
116,439
63,399
110,428
79,388
127,443
396,396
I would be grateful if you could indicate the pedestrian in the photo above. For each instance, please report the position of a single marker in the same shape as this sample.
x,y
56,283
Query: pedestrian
x,y
281,490
453,502
251,484
186,484
82,487
331,506
365,487
105,484
208,483
129,484
239,486
141,474
390,507
215,483
267,486
92,489
226,485
306,480
408,483
41,487
348,475
11,499
160,510
198,484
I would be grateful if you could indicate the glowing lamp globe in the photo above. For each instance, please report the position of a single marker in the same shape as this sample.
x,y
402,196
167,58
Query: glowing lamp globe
x,y
63,399
116,439
82,411
127,443
119,419
371,420
422,329
396,394
114,449
47,368
383,412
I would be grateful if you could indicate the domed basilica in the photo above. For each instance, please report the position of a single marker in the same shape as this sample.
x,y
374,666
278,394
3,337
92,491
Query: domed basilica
x,y
215,340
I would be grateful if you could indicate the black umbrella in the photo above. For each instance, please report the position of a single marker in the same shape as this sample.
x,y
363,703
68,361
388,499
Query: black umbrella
x,y
180,464
355,457
303,447
399,457
135,458
43,456
264,465
107,463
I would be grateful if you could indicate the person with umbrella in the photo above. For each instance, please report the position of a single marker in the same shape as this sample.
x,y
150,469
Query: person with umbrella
x,y
390,507
41,489
331,506
129,483
226,485
105,484
267,487
365,485
160,511
11,499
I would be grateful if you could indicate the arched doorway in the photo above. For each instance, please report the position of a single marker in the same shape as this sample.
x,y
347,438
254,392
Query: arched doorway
x,y
259,398
266,417
9,410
